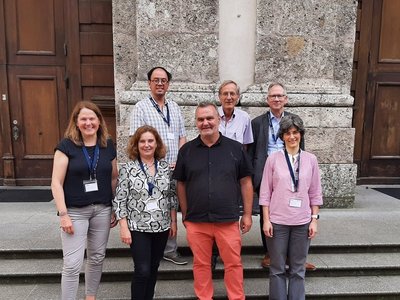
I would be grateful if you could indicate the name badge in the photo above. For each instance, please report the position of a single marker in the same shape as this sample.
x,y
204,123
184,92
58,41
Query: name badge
x,y
152,206
170,135
90,185
294,202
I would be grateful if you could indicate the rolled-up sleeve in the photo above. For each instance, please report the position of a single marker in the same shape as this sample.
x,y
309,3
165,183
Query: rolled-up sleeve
x,y
122,193
266,183
315,190
173,199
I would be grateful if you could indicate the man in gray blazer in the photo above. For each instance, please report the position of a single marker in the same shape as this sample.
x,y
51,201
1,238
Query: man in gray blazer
x,y
266,141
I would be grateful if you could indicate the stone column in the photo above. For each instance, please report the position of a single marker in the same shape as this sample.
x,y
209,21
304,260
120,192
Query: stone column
x,y
237,41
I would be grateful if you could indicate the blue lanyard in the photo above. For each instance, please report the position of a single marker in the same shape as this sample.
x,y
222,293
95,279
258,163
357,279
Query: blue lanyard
x,y
274,137
166,119
92,162
292,174
150,185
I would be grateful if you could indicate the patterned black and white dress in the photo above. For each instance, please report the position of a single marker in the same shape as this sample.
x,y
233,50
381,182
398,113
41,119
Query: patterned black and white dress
x,y
146,209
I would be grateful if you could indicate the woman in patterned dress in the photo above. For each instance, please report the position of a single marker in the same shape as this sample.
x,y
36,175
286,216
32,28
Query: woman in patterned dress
x,y
145,205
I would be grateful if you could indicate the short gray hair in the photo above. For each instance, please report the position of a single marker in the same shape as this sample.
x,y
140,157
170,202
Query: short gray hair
x,y
288,122
276,83
225,83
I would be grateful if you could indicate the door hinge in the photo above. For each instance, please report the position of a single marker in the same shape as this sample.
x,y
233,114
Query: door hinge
x,y
65,49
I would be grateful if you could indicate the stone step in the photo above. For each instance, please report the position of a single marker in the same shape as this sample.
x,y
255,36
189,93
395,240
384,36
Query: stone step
x,y
364,287
9,253
120,268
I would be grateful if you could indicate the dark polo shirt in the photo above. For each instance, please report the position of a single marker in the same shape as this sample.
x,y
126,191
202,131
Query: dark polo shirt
x,y
211,175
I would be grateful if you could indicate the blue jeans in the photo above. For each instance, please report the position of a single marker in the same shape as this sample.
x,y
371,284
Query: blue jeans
x,y
290,242
147,250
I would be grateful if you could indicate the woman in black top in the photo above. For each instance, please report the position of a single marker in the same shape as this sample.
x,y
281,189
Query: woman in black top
x,y
83,183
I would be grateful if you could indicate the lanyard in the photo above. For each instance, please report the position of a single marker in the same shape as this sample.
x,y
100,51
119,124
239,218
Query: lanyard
x,y
149,183
295,179
92,162
166,119
274,137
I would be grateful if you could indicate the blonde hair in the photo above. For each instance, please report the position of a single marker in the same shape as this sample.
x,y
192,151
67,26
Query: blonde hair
x,y
73,133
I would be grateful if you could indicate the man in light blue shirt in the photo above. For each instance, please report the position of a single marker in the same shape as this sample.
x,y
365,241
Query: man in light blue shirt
x,y
235,123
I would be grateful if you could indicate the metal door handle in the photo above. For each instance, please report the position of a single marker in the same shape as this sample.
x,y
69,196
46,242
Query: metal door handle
x,y
15,130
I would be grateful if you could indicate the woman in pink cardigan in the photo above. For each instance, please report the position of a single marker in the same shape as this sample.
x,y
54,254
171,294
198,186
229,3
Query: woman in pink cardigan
x,y
290,195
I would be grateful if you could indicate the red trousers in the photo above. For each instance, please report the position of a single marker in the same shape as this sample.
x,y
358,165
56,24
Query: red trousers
x,y
201,237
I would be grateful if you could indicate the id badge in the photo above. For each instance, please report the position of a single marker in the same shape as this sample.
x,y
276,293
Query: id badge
x,y
152,205
170,135
295,202
90,185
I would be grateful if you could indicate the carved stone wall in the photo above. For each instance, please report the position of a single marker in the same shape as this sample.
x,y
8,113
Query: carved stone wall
x,y
307,45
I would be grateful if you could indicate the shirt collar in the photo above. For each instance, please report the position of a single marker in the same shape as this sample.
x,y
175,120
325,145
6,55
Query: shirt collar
x,y
166,101
199,142
272,116
222,115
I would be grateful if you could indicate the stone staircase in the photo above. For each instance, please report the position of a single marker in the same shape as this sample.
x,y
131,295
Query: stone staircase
x,y
343,272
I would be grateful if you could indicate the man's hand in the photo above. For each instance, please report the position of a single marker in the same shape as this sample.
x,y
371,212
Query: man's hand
x,y
245,223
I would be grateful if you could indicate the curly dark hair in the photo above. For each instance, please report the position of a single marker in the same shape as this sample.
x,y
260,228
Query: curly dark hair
x,y
288,122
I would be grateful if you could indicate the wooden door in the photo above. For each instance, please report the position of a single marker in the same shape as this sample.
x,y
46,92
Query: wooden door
x,y
36,62
377,113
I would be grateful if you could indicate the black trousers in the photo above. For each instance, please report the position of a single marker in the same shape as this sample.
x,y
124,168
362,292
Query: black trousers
x,y
147,250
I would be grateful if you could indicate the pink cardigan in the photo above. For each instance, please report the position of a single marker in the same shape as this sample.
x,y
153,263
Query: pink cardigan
x,y
276,189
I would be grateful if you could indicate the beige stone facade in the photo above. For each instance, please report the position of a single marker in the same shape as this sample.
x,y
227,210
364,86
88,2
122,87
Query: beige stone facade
x,y
307,45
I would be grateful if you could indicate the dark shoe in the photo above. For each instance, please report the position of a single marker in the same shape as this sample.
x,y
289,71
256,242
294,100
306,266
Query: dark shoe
x,y
214,259
310,267
175,258
266,261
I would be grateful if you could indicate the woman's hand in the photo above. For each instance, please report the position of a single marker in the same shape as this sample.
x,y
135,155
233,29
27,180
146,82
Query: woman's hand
x,y
313,229
268,229
66,224
113,221
125,235
174,229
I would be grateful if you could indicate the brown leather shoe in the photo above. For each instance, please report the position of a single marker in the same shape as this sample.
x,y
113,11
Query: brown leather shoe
x,y
266,261
310,267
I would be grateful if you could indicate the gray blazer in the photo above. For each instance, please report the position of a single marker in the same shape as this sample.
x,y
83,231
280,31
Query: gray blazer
x,y
258,149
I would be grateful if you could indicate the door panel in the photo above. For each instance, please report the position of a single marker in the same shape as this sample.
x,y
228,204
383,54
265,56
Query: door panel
x,y
389,47
385,132
35,32
38,119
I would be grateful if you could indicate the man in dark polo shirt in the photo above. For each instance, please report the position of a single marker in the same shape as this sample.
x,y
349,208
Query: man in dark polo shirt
x,y
213,172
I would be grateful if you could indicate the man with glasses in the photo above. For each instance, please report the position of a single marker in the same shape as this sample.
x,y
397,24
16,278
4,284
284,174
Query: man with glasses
x,y
266,141
213,172
235,124
164,115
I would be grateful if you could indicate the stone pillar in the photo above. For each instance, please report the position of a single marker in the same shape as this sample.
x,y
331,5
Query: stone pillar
x,y
237,41
307,45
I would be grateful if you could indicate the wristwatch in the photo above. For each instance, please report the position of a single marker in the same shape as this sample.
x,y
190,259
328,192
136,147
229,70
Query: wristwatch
x,y
316,217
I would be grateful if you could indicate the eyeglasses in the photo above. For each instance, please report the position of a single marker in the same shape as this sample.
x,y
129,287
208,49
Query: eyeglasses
x,y
280,97
159,81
